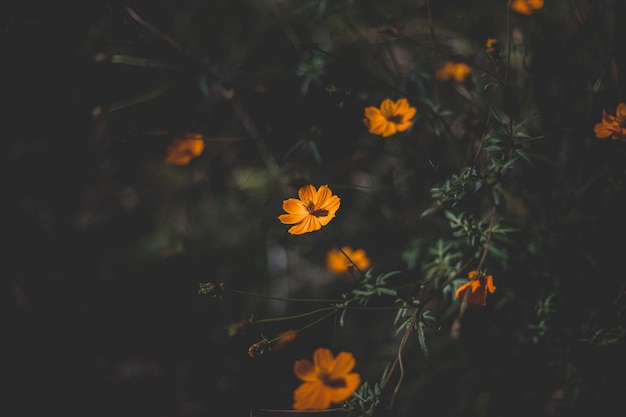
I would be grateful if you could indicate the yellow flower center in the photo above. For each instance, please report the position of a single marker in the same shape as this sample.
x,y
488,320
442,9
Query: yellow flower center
x,y
324,376
310,207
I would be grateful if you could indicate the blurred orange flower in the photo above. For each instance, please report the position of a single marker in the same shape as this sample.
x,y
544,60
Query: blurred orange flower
x,y
492,45
286,337
457,70
327,380
182,150
338,263
392,117
314,209
526,7
613,126
474,292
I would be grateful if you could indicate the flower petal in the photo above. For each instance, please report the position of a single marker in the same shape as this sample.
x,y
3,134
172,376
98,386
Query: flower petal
x,y
608,119
331,204
401,127
360,259
311,396
323,358
321,196
373,113
292,218
343,364
336,262
602,131
308,224
475,285
387,107
390,130
461,290
323,221
306,193
178,159
621,110
352,382
409,114
294,206
305,370
379,127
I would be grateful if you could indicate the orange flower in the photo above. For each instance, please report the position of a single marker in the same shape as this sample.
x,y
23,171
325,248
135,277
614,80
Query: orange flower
x,y
286,337
492,45
613,126
314,209
457,70
182,150
526,7
337,262
327,380
474,292
391,118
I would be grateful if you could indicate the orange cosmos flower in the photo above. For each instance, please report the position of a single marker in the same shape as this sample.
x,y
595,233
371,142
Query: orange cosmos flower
x,y
182,150
492,45
338,263
526,7
327,380
391,118
474,292
613,126
314,209
457,70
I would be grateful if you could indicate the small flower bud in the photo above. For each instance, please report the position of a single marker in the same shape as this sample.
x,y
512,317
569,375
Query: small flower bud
x,y
258,348
214,289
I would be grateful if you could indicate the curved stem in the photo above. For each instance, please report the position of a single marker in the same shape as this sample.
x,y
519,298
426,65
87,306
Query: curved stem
x,y
301,300
296,316
313,323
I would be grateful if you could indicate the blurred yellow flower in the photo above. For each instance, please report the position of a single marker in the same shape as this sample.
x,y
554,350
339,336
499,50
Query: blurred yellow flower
x,y
526,7
327,380
182,150
474,292
457,70
337,262
314,209
613,126
391,118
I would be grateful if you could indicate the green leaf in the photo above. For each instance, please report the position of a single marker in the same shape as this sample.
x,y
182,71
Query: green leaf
x,y
386,291
422,339
524,155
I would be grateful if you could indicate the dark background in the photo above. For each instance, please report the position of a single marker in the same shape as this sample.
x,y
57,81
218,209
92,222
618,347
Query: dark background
x,y
104,244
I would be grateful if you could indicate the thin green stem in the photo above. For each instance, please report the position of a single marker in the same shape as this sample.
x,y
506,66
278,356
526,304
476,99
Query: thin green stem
x,y
140,98
144,62
407,149
296,316
313,323
431,31
368,188
333,310
405,338
488,241
301,300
